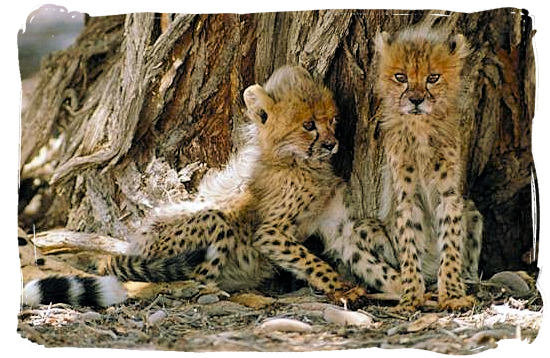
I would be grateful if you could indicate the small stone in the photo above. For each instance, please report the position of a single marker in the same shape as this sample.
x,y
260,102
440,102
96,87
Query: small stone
x,y
285,325
208,299
339,316
512,281
90,316
156,317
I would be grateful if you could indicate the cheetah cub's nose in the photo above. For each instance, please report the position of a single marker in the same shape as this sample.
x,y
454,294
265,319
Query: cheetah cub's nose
x,y
416,100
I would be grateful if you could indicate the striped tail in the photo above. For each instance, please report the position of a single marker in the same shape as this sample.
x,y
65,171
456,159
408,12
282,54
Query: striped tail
x,y
136,268
104,291
74,290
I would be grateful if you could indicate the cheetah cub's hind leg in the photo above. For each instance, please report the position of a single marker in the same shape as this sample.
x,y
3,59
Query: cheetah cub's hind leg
x,y
168,249
371,257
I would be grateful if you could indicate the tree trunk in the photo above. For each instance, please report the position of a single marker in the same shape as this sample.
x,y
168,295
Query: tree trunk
x,y
141,105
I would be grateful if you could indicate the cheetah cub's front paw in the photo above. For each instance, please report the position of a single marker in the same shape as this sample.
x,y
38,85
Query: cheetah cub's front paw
x,y
409,304
353,298
456,304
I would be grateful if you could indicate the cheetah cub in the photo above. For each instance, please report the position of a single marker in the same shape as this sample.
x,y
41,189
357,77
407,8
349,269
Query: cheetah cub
x,y
249,219
419,84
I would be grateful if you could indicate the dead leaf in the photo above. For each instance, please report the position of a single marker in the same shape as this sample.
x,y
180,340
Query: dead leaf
x,y
252,300
423,322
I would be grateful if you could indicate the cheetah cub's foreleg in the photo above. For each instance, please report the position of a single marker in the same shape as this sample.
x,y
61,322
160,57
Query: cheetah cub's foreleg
x,y
410,237
451,229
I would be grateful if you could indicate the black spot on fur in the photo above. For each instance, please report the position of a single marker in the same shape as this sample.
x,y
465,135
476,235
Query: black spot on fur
x,y
212,229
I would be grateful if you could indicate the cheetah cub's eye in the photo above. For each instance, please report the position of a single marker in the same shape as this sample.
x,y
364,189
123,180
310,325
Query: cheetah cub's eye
x,y
309,125
401,77
433,78
263,116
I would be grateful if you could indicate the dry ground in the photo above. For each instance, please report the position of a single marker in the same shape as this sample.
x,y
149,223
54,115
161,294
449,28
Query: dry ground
x,y
237,323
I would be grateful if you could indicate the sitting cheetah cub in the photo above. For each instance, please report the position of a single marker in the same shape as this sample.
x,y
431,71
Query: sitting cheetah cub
x,y
248,219
419,85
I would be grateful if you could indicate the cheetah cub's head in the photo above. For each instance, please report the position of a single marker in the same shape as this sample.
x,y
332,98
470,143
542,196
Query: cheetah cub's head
x,y
294,114
419,71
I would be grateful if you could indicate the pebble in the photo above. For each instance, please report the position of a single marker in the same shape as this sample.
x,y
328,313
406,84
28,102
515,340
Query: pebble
x,y
513,281
208,299
285,325
156,317
339,316
90,316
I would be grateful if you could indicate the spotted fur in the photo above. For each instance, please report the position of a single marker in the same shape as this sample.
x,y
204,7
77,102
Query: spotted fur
x,y
252,218
435,232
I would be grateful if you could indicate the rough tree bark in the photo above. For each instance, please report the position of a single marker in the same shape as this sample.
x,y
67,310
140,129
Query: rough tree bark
x,y
134,112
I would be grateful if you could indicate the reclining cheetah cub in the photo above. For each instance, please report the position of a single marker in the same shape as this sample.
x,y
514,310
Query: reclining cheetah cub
x,y
247,219
435,232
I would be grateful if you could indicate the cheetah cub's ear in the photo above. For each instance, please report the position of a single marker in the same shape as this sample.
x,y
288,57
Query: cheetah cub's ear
x,y
381,40
458,45
258,103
